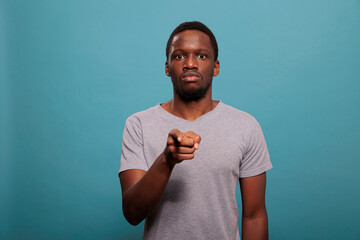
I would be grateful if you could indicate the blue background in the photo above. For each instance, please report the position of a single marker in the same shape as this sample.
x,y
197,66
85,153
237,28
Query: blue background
x,y
72,71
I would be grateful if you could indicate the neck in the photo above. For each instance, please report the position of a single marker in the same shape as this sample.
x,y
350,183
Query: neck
x,y
190,110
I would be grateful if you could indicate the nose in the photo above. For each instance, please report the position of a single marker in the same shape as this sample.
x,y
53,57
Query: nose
x,y
190,63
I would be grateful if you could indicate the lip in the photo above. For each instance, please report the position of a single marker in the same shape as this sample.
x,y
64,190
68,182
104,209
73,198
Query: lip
x,y
190,76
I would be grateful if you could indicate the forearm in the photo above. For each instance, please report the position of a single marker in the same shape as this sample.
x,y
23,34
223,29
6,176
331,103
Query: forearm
x,y
140,200
255,227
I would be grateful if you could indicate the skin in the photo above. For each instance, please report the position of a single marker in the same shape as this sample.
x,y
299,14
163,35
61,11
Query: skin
x,y
191,51
254,215
191,54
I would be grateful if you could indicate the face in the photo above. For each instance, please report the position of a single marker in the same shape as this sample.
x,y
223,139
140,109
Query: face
x,y
191,65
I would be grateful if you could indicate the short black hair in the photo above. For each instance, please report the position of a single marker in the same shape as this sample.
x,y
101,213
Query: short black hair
x,y
195,25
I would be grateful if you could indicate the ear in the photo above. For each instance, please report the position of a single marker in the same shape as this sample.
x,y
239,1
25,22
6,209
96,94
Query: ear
x,y
167,72
216,68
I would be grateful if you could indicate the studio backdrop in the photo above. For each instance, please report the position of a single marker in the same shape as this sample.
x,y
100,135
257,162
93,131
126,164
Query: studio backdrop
x,y
71,72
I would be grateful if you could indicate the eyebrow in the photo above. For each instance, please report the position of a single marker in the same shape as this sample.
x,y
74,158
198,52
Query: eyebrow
x,y
198,50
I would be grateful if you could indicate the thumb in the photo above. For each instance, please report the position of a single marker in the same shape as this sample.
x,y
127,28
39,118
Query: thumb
x,y
197,141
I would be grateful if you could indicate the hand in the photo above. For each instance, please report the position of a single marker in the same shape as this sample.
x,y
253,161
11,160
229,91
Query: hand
x,y
181,146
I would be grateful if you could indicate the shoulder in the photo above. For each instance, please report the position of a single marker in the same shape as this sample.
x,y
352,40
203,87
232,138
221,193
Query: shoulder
x,y
141,116
233,114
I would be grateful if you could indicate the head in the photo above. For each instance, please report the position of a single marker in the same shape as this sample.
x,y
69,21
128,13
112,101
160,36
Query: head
x,y
192,60
193,26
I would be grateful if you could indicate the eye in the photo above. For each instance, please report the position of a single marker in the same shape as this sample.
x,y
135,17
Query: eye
x,y
179,56
202,56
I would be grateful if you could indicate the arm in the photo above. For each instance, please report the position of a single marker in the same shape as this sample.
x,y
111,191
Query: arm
x,y
141,190
254,216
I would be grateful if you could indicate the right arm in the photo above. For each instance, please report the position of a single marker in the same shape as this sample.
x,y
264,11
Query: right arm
x,y
141,190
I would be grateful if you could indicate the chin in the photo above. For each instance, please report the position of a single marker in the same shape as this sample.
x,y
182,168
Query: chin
x,y
192,95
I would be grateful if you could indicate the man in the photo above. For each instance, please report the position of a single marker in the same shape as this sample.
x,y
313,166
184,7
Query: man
x,y
181,160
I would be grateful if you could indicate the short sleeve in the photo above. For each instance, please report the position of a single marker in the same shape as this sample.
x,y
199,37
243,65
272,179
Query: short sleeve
x,y
256,159
132,155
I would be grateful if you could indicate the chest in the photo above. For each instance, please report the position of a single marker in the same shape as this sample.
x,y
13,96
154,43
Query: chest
x,y
220,150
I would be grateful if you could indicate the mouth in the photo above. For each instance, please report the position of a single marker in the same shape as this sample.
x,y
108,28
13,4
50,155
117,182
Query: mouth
x,y
190,77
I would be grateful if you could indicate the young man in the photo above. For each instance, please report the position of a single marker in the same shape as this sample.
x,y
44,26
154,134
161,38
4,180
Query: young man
x,y
181,160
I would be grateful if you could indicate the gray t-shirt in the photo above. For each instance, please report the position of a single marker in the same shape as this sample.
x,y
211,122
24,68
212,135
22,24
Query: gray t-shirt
x,y
199,201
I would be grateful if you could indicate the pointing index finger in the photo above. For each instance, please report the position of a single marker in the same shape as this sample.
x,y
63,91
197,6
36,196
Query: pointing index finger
x,y
175,134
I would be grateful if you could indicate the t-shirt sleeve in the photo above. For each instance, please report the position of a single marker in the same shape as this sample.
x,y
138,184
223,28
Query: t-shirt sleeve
x,y
132,155
256,159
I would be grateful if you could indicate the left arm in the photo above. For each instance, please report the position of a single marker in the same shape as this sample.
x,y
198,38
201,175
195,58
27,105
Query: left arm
x,y
254,216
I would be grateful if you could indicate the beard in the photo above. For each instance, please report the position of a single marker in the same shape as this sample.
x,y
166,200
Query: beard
x,y
188,95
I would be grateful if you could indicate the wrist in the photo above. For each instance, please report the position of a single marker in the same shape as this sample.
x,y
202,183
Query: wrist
x,y
167,160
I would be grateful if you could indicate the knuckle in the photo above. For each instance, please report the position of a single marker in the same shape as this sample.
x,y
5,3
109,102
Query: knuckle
x,y
173,131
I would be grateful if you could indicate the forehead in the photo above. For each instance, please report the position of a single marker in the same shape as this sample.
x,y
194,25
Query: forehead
x,y
191,39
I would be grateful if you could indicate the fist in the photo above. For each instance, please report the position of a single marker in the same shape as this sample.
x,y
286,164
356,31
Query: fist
x,y
181,146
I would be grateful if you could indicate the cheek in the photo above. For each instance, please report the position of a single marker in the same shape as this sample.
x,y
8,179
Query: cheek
x,y
210,70
174,68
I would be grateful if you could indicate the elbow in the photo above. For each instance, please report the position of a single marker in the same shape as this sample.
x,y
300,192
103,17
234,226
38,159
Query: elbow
x,y
133,221
255,214
131,216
